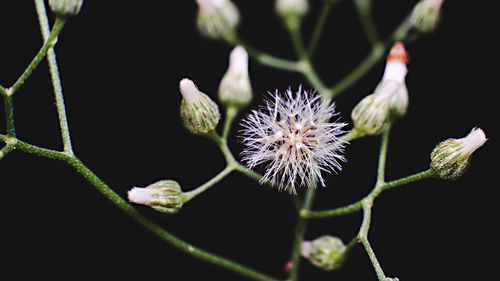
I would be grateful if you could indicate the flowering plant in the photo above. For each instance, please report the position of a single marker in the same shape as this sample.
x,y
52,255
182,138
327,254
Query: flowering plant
x,y
298,159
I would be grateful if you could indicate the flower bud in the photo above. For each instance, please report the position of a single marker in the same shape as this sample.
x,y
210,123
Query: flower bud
x,y
65,8
425,15
324,252
391,279
291,11
199,113
450,158
235,89
217,19
390,99
164,196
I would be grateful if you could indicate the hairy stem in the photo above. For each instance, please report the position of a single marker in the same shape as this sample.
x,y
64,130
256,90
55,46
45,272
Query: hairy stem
x,y
9,115
6,149
137,216
54,74
383,156
300,230
356,206
186,196
231,114
49,43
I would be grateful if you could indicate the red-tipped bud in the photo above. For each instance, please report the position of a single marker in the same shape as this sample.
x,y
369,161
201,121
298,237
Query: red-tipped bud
x,y
398,53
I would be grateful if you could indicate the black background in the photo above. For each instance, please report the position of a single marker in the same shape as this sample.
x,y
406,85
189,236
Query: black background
x,y
120,64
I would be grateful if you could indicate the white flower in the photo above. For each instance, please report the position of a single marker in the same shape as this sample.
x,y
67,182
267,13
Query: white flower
x,y
294,134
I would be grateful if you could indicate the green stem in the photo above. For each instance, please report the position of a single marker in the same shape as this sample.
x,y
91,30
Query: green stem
x,y
54,73
378,50
266,59
6,149
222,144
313,78
363,238
3,91
365,17
137,216
300,230
318,28
231,114
9,115
383,156
293,27
354,207
186,196
49,43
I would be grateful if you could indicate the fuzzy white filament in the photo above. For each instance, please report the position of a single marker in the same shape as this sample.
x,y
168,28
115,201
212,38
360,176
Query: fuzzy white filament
x,y
294,134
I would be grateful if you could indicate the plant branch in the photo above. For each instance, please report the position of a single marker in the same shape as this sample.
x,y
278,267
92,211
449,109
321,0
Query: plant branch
x,y
300,230
187,196
136,215
318,28
49,43
6,149
231,114
383,156
365,17
9,115
363,238
54,73
377,52
356,206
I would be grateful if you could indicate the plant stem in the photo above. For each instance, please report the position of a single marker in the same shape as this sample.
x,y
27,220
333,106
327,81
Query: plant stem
x,y
378,50
187,196
231,114
54,73
318,28
365,17
49,43
363,238
6,149
383,156
222,144
356,206
266,59
9,115
300,230
137,216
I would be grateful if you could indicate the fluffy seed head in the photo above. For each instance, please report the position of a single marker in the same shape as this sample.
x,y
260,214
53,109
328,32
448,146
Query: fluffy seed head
x,y
293,134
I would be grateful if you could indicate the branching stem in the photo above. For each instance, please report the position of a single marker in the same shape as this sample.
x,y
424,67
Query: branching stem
x,y
54,74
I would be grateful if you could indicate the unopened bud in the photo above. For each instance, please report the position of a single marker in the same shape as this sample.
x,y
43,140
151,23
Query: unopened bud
x,y
425,15
450,158
235,89
390,99
199,113
65,8
164,196
291,11
324,252
217,19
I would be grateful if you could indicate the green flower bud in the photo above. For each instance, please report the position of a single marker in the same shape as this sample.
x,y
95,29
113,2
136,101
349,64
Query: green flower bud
x,y
235,89
199,113
164,196
65,8
390,99
324,252
217,19
450,158
425,15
